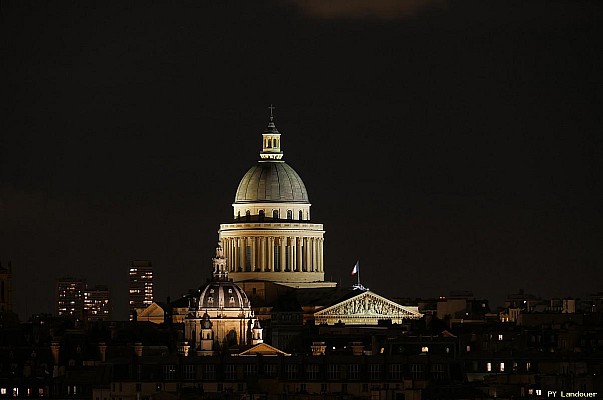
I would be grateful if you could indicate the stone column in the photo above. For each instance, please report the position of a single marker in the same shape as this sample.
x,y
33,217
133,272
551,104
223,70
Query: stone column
x,y
311,247
242,255
294,253
271,253
314,254
262,257
234,253
322,255
224,242
308,255
291,254
253,253
302,254
298,253
283,244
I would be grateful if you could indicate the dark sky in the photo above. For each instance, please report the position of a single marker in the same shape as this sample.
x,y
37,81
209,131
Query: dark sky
x,y
446,144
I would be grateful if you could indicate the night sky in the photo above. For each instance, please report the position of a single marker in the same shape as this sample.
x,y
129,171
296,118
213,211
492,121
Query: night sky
x,y
447,145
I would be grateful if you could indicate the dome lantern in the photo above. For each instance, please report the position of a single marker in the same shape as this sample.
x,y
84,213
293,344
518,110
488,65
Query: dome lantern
x,y
271,140
220,272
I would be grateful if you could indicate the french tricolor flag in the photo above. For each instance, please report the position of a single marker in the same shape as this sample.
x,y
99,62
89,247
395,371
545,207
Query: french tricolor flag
x,y
356,268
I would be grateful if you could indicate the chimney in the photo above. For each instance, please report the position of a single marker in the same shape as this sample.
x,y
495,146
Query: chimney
x,y
138,348
55,347
102,349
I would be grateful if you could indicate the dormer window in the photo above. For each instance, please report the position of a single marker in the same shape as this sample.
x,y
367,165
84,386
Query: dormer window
x,y
229,290
210,300
231,300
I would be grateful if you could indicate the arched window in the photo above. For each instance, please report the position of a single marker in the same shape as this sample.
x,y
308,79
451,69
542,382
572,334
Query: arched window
x,y
275,214
301,215
238,215
261,214
289,214
269,142
247,215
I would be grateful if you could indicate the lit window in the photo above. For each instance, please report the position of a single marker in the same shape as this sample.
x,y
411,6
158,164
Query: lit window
x,y
424,349
468,348
500,337
528,366
502,367
489,367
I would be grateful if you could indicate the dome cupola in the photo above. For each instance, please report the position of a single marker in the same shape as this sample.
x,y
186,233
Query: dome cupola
x,y
221,292
271,140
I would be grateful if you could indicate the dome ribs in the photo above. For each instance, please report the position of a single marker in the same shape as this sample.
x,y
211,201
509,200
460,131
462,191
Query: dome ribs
x,y
271,182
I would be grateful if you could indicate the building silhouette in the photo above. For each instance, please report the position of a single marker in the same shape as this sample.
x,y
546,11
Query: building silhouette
x,y
140,288
97,303
70,297
6,288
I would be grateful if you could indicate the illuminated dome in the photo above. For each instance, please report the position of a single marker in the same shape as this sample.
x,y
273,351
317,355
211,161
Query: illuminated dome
x,y
272,237
221,292
221,295
271,181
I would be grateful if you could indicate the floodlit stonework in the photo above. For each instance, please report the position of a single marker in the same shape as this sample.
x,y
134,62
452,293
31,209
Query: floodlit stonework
x,y
220,314
272,237
365,308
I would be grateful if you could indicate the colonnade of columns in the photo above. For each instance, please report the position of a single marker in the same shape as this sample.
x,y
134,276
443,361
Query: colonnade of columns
x,y
274,254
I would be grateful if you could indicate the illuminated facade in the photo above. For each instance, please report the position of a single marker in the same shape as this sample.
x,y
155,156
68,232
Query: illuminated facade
x,y
70,297
220,314
364,307
140,286
97,303
272,237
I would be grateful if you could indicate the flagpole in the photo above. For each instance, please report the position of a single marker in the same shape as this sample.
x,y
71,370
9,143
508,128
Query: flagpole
x,y
358,264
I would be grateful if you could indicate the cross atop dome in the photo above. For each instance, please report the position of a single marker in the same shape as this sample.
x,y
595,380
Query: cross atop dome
x,y
271,140
271,107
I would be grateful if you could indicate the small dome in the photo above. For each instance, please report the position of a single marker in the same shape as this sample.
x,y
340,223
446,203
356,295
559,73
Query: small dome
x,y
222,294
271,181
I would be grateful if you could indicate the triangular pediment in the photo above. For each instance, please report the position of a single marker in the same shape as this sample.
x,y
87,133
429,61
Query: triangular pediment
x,y
153,310
366,308
263,349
